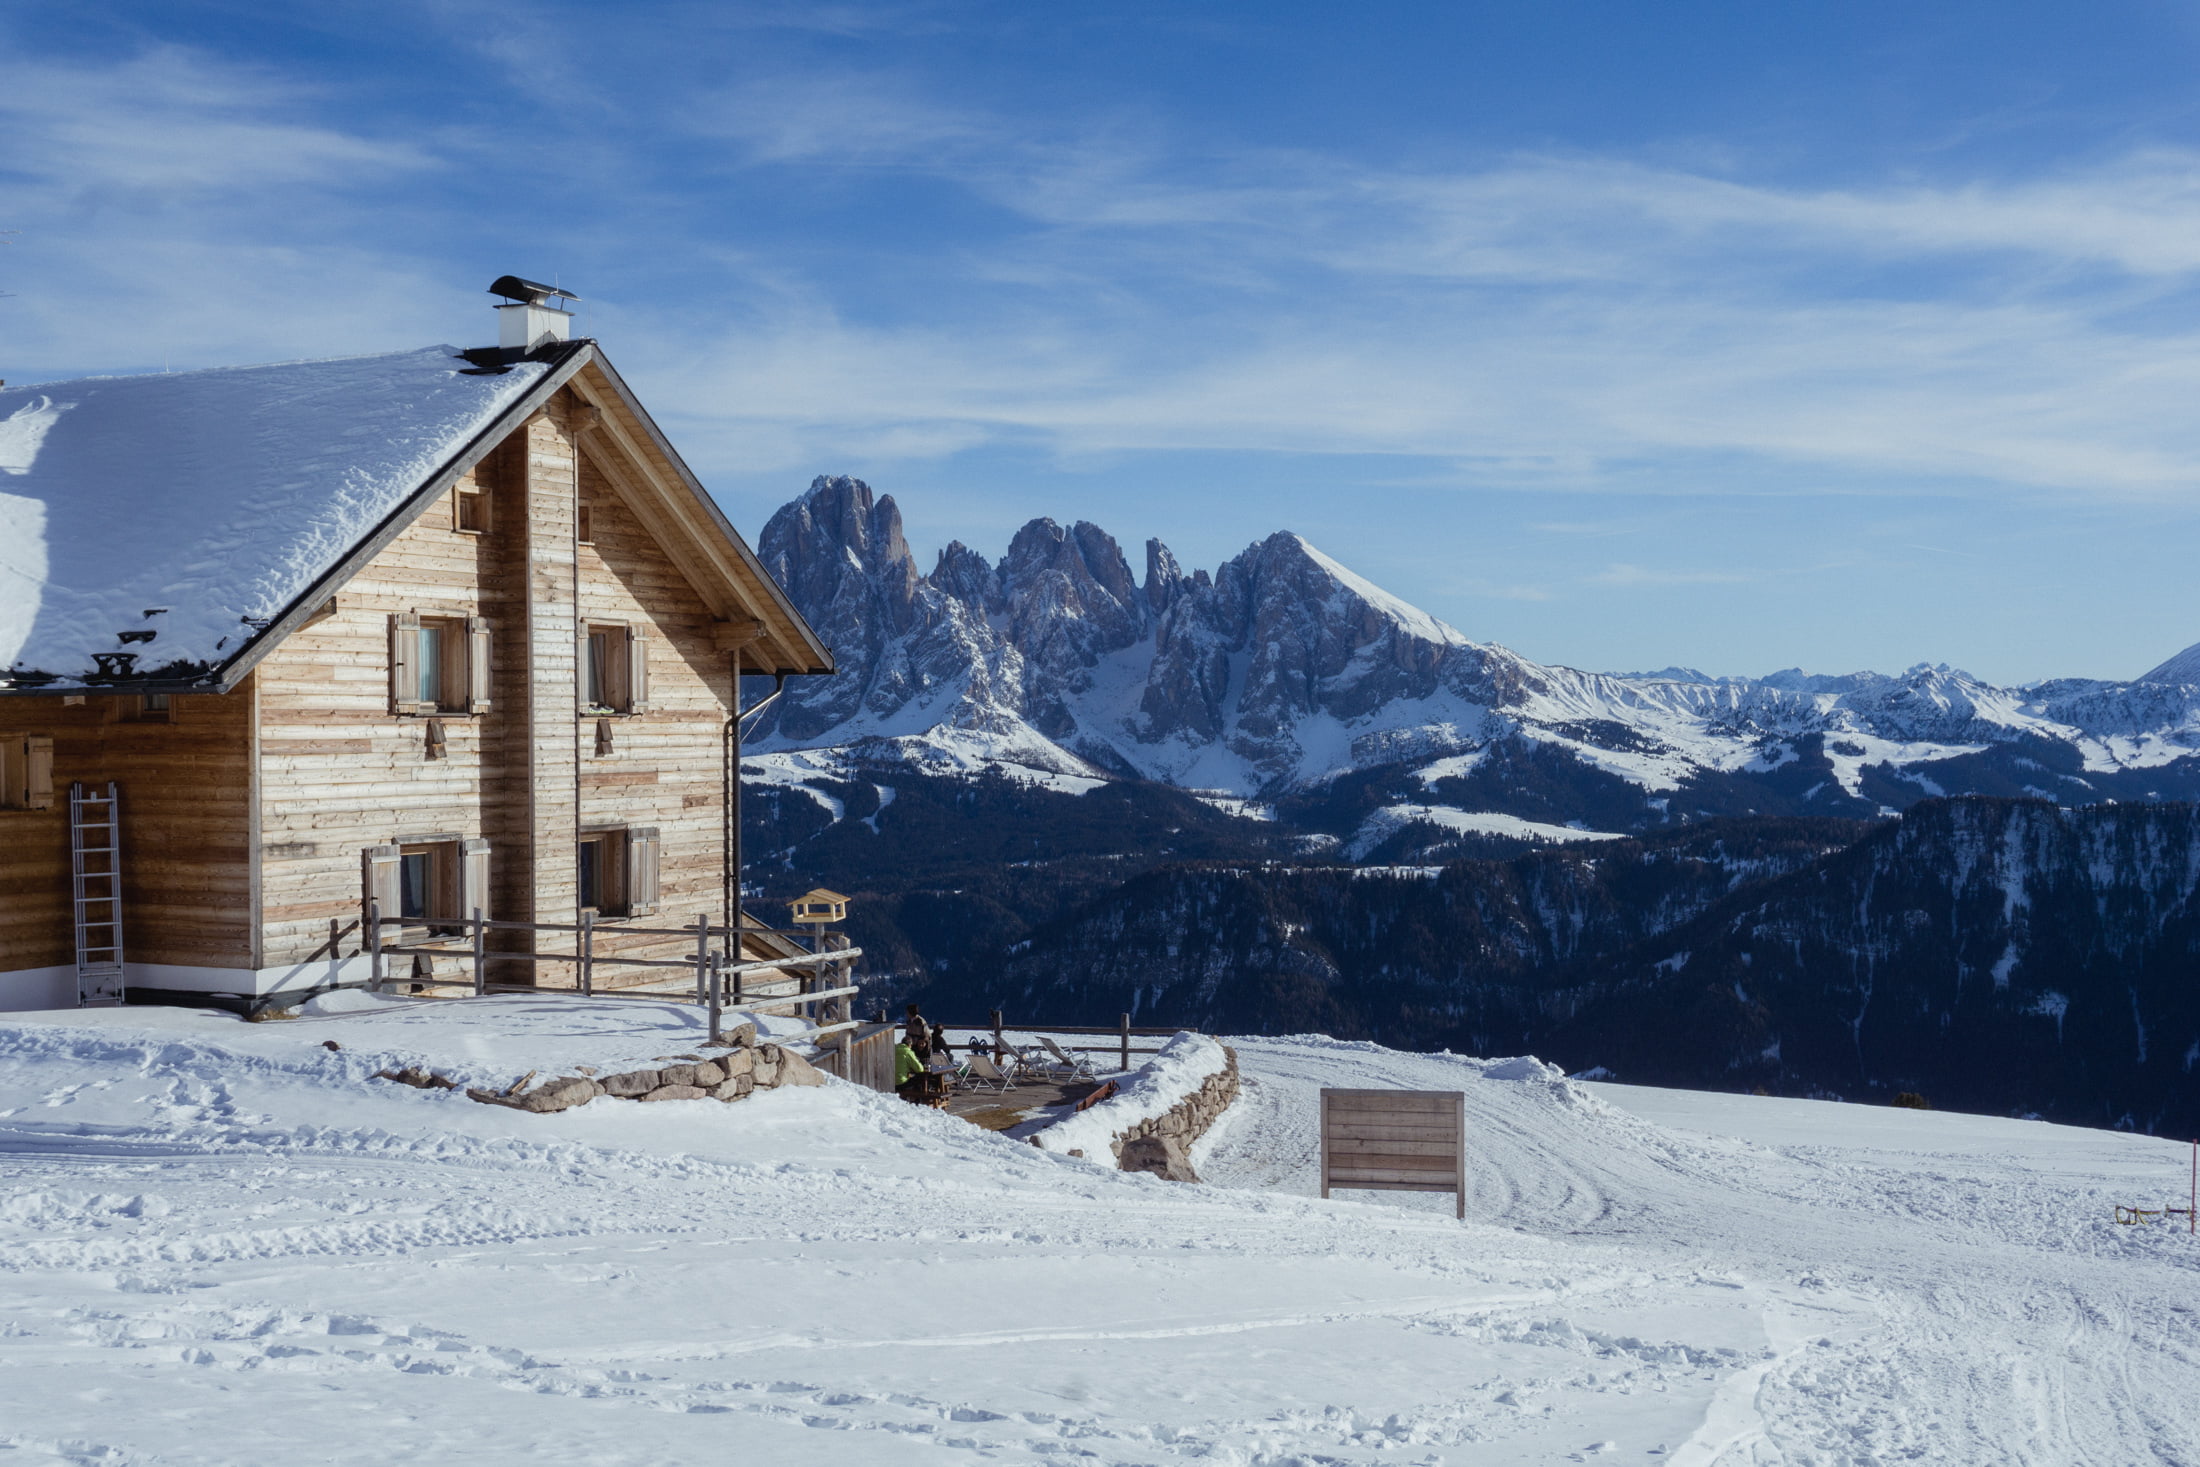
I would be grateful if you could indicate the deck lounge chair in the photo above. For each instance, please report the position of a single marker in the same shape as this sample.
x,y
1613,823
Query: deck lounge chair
x,y
981,1073
1075,1065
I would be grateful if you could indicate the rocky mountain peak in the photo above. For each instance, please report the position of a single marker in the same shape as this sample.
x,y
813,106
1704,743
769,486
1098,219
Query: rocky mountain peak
x,y
1286,668
1166,581
969,577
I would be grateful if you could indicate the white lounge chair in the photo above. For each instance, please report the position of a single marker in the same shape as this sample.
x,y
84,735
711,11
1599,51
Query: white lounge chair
x,y
1075,1065
981,1073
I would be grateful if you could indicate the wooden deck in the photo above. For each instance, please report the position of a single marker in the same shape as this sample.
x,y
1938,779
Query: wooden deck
x,y
1003,1110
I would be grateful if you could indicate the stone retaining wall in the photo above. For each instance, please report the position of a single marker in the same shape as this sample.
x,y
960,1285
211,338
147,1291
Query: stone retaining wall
x,y
742,1068
1168,1137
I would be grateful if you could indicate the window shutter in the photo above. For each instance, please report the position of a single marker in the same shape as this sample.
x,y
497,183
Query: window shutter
x,y
379,872
404,647
641,870
477,665
580,666
37,773
473,878
637,670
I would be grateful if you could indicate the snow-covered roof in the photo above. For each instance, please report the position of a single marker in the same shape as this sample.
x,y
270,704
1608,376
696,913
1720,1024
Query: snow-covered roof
x,y
199,506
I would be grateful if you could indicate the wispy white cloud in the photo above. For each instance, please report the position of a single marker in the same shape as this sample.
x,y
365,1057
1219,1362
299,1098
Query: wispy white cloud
x,y
171,123
1541,321
1565,320
1639,575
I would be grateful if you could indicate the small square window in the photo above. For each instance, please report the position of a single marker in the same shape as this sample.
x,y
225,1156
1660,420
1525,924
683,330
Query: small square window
x,y
152,708
428,883
439,665
469,511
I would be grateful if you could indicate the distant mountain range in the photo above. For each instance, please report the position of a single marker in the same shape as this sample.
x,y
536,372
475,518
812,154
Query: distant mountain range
x,y
1276,799
1283,674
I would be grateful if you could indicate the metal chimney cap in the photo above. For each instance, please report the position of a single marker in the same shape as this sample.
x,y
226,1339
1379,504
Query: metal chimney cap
x,y
529,292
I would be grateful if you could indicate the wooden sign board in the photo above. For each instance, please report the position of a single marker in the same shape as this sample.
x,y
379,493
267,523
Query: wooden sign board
x,y
1395,1141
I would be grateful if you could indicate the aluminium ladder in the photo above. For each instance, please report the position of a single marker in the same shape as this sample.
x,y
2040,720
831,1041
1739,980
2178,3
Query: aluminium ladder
x,y
95,868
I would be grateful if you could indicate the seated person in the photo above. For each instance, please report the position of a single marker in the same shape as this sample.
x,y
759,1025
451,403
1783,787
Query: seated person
x,y
909,1075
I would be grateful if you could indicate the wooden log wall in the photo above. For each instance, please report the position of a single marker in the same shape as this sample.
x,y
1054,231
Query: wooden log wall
x,y
340,771
187,869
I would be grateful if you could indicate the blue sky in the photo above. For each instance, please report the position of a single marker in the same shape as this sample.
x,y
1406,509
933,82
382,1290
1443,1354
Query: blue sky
x,y
1732,335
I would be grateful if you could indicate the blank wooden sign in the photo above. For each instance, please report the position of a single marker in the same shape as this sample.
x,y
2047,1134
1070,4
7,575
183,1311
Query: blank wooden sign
x,y
1395,1141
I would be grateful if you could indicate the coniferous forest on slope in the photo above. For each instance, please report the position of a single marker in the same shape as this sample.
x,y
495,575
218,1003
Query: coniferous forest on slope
x,y
2006,956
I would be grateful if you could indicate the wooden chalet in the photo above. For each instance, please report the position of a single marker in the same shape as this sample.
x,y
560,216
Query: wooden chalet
x,y
456,630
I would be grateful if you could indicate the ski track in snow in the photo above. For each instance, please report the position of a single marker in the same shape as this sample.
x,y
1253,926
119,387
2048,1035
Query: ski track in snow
x,y
231,1247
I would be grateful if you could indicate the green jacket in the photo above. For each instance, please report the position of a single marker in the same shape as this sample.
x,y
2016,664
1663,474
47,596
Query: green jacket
x,y
906,1064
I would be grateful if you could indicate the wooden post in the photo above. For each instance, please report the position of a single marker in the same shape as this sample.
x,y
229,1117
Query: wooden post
x,y
717,991
1126,1042
481,955
996,1033
374,946
588,955
1325,1145
702,956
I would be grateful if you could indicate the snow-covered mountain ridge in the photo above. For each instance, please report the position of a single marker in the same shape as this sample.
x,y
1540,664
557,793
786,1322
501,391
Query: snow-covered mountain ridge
x,y
1283,670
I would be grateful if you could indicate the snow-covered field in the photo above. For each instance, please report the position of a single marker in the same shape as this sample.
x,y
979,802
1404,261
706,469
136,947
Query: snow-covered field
x,y
224,1244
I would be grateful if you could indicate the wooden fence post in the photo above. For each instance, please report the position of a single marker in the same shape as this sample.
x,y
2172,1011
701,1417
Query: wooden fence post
x,y
717,995
481,954
1126,1042
996,1031
374,946
588,955
702,958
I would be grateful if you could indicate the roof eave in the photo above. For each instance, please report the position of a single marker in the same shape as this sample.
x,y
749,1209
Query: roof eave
x,y
813,658
568,360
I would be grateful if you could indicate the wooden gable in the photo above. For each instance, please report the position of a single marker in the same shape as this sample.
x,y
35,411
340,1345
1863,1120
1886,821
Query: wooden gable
x,y
624,445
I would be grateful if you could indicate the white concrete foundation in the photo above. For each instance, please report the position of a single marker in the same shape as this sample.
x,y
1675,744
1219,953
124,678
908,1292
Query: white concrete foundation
x,y
55,988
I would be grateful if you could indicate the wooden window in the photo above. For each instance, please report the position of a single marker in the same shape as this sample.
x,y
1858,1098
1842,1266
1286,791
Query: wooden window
x,y
26,772
427,883
469,509
618,871
584,524
439,664
601,873
614,669
430,880
152,708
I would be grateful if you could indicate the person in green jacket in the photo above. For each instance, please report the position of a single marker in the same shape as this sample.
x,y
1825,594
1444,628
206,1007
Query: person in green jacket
x,y
908,1074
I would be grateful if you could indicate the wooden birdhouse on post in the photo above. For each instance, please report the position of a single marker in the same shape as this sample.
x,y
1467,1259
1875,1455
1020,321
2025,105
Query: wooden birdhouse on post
x,y
819,907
